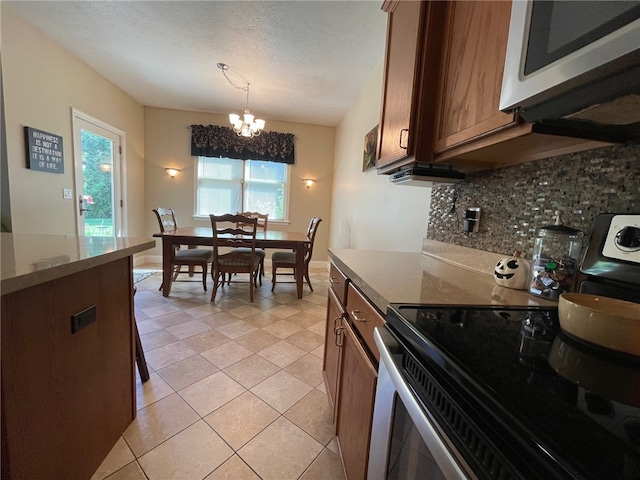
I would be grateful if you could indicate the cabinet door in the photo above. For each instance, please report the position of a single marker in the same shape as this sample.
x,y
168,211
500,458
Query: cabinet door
x,y
403,32
412,62
332,342
357,385
474,51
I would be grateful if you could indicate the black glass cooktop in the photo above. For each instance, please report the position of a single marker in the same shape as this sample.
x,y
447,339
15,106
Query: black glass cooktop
x,y
554,407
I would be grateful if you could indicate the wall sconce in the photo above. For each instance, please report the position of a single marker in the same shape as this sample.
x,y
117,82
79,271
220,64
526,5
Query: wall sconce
x,y
308,182
172,172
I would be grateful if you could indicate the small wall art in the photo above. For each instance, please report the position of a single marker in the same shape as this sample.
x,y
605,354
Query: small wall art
x,y
370,145
44,151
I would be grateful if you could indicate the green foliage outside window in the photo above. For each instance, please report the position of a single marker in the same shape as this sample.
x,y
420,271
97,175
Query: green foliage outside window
x,y
97,151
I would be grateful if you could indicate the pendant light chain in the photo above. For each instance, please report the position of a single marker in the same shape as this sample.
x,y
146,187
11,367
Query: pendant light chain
x,y
224,67
248,126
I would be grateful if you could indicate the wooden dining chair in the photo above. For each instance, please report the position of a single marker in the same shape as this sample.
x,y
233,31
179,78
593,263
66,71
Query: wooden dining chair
x,y
236,232
287,260
263,220
189,257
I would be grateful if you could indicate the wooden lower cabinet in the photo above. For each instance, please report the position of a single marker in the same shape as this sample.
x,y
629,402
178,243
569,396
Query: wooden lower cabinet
x,y
68,392
332,350
350,371
357,385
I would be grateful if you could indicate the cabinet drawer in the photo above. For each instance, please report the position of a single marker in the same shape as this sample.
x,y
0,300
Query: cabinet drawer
x,y
364,318
338,282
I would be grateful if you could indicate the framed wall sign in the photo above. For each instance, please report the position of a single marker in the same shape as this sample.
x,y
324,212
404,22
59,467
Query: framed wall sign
x,y
44,151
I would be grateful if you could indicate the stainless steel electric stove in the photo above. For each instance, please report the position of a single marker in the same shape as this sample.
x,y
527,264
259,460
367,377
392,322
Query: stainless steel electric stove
x,y
496,392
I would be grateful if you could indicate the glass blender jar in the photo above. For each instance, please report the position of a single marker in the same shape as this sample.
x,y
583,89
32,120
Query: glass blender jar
x,y
554,265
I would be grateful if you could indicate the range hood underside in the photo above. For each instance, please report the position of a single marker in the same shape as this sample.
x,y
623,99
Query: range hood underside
x,y
426,175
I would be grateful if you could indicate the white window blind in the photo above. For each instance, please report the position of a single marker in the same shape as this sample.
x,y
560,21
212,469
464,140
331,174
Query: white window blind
x,y
227,185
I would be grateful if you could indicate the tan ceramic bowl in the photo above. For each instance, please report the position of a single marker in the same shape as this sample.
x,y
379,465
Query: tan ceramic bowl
x,y
601,320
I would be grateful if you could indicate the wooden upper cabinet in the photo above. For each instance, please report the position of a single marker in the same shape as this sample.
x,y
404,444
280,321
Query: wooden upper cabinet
x,y
441,91
471,133
409,86
471,79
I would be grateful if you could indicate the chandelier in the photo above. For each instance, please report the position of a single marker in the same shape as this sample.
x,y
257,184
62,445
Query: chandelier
x,y
247,125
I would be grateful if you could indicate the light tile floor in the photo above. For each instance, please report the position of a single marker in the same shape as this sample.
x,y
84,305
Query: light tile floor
x,y
236,388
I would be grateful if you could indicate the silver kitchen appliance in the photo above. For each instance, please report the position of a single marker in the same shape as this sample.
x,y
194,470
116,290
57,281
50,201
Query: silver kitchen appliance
x,y
574,67
612,261
500,392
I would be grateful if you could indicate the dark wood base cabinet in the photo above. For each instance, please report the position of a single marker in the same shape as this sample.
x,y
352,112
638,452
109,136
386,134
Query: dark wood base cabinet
x,y
332,349
357,389
350,370
67,397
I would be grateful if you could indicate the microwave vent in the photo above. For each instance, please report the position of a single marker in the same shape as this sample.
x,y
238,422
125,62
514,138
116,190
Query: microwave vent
x,y
622,111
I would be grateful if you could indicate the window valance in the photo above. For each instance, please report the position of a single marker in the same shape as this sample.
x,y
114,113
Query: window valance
x,y
219,141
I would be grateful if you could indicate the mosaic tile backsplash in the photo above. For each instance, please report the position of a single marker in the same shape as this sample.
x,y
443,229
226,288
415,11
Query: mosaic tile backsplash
x,y
516,201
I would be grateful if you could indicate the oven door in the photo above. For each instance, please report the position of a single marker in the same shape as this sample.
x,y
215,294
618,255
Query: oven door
x,y
406,442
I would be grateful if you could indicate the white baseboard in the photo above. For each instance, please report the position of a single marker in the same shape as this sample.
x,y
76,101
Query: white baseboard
x,y
141,260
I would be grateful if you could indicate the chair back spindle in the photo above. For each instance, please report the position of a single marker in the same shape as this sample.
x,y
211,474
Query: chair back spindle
x,y
166,219
236,232
263,220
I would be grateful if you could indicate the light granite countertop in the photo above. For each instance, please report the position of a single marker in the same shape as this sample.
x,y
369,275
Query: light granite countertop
x,y
440,275
30,259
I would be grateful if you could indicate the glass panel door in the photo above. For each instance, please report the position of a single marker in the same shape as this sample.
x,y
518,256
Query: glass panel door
x,y
97,172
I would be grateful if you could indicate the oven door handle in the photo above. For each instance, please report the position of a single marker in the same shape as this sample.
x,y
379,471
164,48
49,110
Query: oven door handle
x,y
390,382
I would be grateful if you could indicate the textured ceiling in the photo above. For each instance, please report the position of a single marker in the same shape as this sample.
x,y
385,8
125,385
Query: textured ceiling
x,y
305,60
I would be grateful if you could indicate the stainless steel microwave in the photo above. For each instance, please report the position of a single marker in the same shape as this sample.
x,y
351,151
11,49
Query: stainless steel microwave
x,y
574,64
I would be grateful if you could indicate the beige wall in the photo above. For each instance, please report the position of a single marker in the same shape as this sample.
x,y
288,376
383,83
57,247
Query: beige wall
x,y
42,83
368,211
167,144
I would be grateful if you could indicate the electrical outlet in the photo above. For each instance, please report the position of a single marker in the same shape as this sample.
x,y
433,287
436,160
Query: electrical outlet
x,y
67,193
471,218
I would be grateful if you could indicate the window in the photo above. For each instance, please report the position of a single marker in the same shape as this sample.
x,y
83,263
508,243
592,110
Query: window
x,y
227,185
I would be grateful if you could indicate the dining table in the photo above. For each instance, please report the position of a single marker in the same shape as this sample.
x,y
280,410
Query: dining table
x,y
203,236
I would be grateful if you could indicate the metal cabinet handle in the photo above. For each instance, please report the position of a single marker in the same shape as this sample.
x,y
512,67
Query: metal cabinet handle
x,y
354,314
333,280
337,330
402,137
